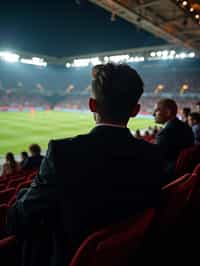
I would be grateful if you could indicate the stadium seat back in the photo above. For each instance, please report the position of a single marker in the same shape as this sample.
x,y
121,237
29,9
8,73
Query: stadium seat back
x,y
115,244
175,197
14,183
3,214
6,195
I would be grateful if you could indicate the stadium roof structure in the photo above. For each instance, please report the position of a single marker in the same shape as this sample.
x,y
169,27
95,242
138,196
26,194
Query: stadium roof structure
x,y
176,21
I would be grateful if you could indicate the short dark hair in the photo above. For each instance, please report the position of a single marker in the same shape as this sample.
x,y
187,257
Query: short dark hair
x,y
195,116
186,110
35,148
24,153
170,104
117,89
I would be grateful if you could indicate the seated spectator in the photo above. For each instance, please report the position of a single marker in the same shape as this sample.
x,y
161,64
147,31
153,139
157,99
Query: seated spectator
x,y
174,137
185,112
34,161
147,137
194,122
24,158
10,167
138,134
90,181
198,107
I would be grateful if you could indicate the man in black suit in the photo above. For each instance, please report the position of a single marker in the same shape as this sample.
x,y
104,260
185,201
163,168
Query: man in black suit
x,y
174,137
90,181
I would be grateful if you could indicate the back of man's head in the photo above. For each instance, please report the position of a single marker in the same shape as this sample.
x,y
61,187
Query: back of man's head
x,y
116,89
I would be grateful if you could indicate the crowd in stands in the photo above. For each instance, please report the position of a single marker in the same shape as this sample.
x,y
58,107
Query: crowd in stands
x,y
104,178
12,167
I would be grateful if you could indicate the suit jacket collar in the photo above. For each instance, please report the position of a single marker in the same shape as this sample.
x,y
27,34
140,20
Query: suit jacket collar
x,y
111,131
169,123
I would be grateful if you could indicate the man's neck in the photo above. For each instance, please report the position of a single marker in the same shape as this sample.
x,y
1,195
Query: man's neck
x,y
111,124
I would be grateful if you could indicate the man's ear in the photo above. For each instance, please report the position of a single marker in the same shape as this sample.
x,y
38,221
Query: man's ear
x,y
135,110
92,105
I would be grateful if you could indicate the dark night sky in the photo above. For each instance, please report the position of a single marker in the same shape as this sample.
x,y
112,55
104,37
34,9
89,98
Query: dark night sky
x,y
64,28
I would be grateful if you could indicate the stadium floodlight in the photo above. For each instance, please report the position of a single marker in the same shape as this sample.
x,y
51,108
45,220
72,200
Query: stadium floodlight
x,y
191,55
106,59
159,53
172,52
197,16
81,62
165,53
184,3
95,61
68,65
152,54
119,58
183,55
9,57
34,61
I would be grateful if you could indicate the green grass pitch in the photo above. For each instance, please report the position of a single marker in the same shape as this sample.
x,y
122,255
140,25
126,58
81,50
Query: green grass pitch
x,y
18,130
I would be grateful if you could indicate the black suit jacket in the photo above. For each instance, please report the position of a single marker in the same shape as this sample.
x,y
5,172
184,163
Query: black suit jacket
x,y
173,138
88,182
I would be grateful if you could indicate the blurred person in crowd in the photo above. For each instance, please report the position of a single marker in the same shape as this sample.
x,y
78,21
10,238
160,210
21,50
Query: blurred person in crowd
x,y
147,137
138,134
24,158
174,137
185,113
34,161
198,107
84,182
11,166
194,122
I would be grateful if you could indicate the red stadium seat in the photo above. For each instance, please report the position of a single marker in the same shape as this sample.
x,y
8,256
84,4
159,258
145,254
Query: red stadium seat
x,y
3,186
175,197
6,195
115,244
8,251
3,214
187,160
195,195
14,183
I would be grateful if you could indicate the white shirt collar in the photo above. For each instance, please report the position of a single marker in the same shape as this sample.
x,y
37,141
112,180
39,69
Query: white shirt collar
x,y
110,125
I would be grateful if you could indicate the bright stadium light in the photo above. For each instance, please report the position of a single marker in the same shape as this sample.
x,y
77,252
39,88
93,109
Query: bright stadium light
x,y
191,55
183,55
81,62
184,3
172,52
119,58
106,59
95,61
9,57
152,54
159,53
34,61
68,65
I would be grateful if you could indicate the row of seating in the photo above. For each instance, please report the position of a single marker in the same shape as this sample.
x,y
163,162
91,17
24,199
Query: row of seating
x,y
8,194
152,230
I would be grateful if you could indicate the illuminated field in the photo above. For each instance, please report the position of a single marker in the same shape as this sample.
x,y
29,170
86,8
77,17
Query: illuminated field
x,y
19,130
